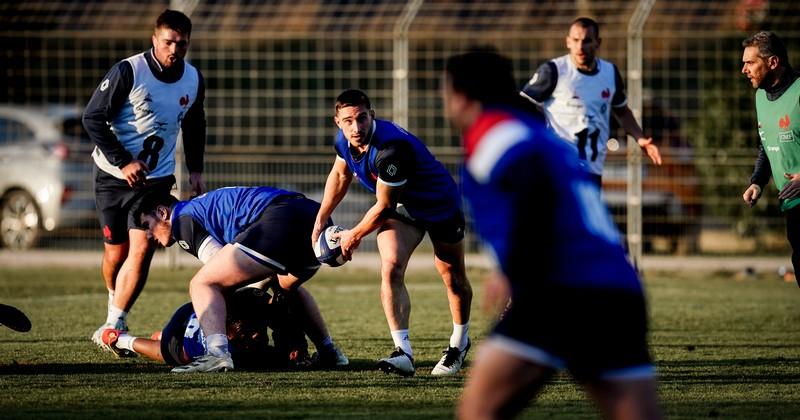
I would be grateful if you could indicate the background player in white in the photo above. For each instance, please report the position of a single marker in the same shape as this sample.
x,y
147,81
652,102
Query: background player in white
x,y
134,118
414,194
578,92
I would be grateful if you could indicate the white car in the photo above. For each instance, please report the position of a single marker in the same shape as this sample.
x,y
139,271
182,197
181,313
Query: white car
x,y
41,170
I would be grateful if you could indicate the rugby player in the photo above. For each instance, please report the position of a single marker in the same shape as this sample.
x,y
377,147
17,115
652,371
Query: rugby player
x,y
134,118
576,302
579,92
242,235
414,194
251,311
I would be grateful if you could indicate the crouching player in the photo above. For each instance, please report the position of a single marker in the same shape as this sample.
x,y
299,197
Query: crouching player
x,y
242,235
251,313
576,301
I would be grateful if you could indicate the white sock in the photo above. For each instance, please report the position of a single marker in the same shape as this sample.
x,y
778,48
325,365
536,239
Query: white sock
x,y
110,299
217,344
459,338
115,315
125,341
401,340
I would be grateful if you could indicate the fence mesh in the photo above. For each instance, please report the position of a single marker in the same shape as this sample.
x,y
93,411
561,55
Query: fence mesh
x,y
273,70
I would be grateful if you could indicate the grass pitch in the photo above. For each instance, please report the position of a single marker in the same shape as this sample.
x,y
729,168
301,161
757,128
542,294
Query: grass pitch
x,y
723,347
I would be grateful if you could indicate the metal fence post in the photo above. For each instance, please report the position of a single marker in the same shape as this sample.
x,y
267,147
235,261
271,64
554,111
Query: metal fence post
x,y
400,58
634,201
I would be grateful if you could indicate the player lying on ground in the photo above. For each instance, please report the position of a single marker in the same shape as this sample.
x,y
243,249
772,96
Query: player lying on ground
x,y
242,235
252,312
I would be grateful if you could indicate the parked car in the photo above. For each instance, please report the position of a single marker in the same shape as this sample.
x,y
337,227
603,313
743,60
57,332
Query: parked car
x,y
45,173
671,202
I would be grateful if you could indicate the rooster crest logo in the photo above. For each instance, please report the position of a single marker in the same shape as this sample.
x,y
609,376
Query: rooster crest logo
x,y
184,100
606,93
784,122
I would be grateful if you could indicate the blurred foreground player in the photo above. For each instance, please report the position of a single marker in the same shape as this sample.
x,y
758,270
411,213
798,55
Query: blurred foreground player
x,y
576,301
251,311
242,235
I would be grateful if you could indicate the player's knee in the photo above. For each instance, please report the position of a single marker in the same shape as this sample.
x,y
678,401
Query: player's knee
x,y
392,273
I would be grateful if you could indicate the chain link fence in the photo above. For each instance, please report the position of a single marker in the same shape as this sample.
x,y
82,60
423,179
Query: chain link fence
x,y
273,71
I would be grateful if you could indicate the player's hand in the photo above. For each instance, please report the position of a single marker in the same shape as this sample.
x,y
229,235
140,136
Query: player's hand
x,y
650,149
348,242
752,194
135,173
496,294
792,188
318,228
196,184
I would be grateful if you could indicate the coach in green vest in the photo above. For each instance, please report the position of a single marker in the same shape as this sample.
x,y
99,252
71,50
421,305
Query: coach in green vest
x,y
766,64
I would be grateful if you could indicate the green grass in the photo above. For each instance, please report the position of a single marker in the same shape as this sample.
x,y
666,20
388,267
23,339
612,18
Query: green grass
x,y
723,348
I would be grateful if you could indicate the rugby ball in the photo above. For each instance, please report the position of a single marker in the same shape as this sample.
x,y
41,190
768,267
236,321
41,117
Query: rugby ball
x,y
327,249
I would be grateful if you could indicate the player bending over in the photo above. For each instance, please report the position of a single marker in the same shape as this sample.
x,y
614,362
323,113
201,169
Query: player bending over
x,y
242,235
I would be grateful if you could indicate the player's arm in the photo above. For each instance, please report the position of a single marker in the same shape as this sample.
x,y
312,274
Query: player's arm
x,y
541,85
103,106
386,200
193,238
394,163
626,119
761,174
194,138
336,186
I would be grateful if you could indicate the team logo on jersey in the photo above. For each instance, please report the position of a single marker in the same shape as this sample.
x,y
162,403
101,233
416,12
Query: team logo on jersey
x,y
183,244
784,122
606,93
104,85
184,100
788,135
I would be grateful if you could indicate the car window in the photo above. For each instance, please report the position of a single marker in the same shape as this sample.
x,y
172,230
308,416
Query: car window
x,y
12,131
76,137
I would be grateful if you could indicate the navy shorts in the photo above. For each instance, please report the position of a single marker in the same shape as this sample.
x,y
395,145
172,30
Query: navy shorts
x,y
449,230
116,201
281,237
595,334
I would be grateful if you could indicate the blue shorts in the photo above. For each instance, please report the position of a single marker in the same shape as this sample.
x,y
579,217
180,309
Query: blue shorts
x,y
449,230
595,334
281,237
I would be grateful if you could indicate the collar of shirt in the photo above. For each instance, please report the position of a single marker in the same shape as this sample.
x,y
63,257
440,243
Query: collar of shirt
x,y
170,75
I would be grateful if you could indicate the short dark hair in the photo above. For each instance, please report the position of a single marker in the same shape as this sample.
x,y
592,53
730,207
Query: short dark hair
x,y
176,21
484,75
586,22
768,44
149,204
352,97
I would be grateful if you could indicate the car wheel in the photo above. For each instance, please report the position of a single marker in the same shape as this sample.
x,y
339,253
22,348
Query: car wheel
x,y
19,220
